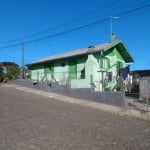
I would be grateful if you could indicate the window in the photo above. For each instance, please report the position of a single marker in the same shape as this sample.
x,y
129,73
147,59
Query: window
x,y
104,63
83,73
63,64
108,63
120,65
109,75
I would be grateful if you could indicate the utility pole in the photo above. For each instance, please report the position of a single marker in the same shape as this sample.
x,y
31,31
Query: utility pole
x,y
22,70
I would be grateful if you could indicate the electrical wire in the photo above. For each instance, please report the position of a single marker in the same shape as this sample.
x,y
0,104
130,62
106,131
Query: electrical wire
x,y
63,24
79,28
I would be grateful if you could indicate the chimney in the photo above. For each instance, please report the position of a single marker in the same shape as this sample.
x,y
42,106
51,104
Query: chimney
x,y
113,37
91,48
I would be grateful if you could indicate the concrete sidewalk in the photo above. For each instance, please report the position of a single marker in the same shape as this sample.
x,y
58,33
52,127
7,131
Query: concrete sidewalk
x,y
144,115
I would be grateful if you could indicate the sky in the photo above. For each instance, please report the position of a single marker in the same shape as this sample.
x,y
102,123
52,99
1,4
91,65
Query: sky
x,y
48,27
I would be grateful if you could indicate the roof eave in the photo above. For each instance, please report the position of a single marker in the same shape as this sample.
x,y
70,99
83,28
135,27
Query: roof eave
x,y
125,53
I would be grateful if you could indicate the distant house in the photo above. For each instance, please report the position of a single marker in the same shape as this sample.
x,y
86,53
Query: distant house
x,y
138,74
94,67
136,77
4,68
3,71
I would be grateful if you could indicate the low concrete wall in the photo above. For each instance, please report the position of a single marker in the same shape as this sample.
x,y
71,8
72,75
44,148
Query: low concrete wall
x,y
110,98
145,88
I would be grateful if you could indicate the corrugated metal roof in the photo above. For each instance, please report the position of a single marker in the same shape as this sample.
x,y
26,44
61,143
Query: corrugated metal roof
x,y
71,53
91,49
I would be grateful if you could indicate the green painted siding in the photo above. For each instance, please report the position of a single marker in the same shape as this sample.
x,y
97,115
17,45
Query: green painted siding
x,y
104,61
85,71
72,69
61,71
46,69
37,72
48,72
117,55
119,59
80,83
116,60
81,67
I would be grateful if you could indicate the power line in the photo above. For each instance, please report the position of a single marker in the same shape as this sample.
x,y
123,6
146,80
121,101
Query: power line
x,y
133,10
63,24
57,34
79,28
68,31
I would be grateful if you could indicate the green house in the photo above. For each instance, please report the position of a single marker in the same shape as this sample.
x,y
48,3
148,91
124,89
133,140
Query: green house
x,y
93,67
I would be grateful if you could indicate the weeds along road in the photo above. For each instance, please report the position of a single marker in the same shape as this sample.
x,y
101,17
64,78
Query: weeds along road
x,y
29,121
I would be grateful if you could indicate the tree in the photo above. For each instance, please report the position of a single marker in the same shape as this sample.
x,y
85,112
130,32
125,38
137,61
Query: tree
x,y
1,73
12,70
